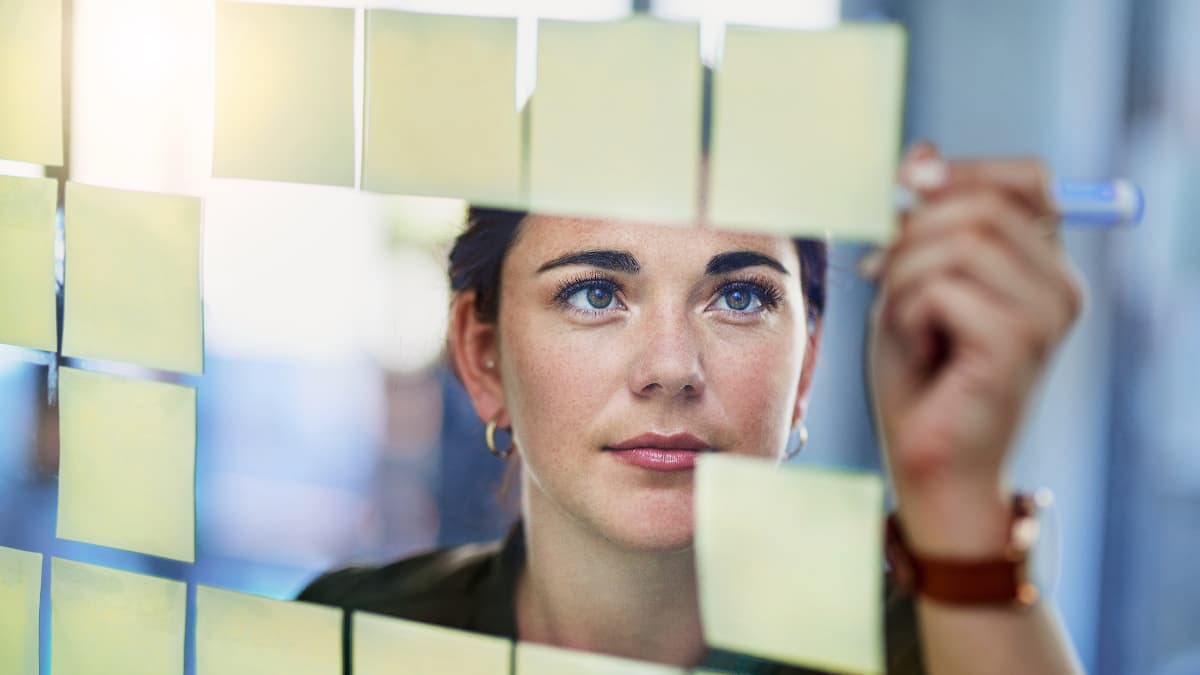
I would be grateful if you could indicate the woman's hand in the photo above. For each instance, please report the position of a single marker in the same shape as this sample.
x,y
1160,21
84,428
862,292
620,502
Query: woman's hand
x,y
975,294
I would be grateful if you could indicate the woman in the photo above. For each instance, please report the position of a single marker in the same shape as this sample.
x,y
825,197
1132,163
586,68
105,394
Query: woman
x,y
614,351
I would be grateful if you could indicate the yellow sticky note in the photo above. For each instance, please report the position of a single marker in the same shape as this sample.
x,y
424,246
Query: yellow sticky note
x,y
127,464
385,645
538,659
284,93
615,120
239,634
27,296
106,621
806,131
441,117
20,600
31,121
790,562
133,278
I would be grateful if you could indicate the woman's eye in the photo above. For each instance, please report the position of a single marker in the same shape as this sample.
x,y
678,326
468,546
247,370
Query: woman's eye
x,y
593,295
739,299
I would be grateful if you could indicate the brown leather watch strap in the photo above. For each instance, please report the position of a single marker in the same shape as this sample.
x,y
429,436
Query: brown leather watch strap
x,y
975,583
994,581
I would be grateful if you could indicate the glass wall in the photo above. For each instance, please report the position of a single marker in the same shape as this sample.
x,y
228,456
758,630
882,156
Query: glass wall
x,y
330,430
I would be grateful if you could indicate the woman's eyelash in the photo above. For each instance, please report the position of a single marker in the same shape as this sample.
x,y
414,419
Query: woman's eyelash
x,y
573,285
767,291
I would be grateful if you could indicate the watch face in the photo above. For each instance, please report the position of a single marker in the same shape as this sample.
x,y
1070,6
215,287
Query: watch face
x,y
1042,566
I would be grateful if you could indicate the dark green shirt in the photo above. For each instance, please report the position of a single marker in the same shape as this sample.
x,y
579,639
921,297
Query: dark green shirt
x,y
472,587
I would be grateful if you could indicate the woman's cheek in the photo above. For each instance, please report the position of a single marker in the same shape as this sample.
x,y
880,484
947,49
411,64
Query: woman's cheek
x,y
555,384
758,401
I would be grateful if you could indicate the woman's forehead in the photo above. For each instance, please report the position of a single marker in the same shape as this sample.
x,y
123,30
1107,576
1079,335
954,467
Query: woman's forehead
x,y
553,236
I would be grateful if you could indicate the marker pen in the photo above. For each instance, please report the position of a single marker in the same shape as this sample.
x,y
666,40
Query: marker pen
x,y
1092,204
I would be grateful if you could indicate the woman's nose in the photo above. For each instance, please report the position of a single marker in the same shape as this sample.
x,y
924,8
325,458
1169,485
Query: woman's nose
x,y
668,363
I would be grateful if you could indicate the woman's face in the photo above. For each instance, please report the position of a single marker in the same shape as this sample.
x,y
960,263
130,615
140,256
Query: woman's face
x,y
612,331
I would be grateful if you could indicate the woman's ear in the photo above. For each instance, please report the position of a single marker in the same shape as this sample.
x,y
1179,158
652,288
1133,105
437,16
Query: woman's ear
x,y
473,350
806,373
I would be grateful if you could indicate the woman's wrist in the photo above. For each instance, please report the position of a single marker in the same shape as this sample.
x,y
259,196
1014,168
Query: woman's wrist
x,y
956,520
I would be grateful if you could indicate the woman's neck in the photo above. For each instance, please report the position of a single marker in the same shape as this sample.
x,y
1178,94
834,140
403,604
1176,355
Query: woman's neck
x,y
581,591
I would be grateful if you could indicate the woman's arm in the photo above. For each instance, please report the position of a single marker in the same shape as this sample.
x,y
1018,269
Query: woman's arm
x,y
975,295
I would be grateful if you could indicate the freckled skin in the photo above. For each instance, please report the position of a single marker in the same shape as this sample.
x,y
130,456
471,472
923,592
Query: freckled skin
x,y
661,357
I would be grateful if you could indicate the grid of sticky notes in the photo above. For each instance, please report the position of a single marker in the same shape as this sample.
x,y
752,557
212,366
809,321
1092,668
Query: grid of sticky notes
x,y
31,120
805,132
789,562
132,284
28,208
805,126
20,605
284,93
106,621
240,633
821,112
127,464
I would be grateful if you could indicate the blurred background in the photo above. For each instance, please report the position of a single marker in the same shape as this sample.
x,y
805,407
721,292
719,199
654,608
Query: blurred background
x,y
330,430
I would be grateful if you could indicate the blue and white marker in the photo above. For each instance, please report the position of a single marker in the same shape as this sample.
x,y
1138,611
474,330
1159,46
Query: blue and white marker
x,y
1092,204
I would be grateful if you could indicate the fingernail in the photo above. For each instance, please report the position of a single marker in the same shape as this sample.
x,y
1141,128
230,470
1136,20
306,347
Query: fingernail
x,y
921,148
871,264
926,173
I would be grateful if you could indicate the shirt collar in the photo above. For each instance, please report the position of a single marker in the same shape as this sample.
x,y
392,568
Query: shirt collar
x,y
497,610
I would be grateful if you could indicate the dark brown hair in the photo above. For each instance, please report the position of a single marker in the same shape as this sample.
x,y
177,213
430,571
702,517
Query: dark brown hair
x,y
479,252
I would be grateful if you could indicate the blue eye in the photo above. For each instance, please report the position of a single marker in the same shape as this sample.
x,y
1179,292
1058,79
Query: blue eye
x,y
590,295
740,298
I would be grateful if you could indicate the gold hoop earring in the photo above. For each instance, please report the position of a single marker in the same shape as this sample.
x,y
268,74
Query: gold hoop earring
x,y
801,439
489,437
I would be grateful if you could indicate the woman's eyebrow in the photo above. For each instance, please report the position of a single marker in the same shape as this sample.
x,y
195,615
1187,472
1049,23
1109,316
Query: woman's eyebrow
x,y
617,261
732,261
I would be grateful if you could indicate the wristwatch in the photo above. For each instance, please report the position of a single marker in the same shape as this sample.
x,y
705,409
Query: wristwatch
x,y
1019,577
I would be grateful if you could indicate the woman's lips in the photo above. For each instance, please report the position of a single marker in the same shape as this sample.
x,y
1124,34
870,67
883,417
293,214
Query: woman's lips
x,y
659,452
658,459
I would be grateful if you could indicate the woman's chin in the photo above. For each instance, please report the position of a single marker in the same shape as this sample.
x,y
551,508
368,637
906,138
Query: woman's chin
x,y
653,525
